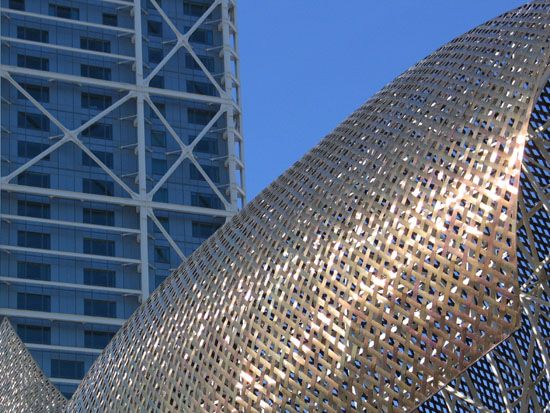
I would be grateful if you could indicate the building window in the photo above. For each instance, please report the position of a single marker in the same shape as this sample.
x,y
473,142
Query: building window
x,y
34,270
110,19
161,195
201,88
155,55
97,187
194,9
165,222
207,61
98,216
212,171
67,369
203,229
151,6
34,121
26,149
159,166
17,4
64,12
33,62
161,108
33,209
35,35
37,179
199,116
162,255
97,45
206,145
33,302
99,131
105,157
154,28
205,200
97,246
34,334
95,101
99,308
38,92
96,72
201,36
32,239
99,277
158,138
97,339
157,81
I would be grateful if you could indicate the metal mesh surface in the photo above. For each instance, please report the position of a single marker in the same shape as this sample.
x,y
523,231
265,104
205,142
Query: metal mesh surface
x,y
515,376
23,386
373,272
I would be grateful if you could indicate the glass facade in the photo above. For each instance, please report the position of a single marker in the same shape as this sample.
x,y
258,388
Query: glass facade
x,y
118,158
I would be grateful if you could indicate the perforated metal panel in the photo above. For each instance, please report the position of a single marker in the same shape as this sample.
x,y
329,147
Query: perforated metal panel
x,y
23,386
369,275
515,376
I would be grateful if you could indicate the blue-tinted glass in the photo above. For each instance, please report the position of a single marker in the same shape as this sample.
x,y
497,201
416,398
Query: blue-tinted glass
x,y
34,334
100,277
33,302
34,270
100,308
67,369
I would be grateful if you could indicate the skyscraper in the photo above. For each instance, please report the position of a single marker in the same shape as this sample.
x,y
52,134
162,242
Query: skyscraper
x,y
120,153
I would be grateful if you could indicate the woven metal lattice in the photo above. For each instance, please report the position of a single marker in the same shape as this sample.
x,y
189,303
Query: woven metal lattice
x,y
369,275
515,376
23,386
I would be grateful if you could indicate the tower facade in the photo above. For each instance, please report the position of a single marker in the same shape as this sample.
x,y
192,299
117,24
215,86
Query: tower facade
x,y
120,153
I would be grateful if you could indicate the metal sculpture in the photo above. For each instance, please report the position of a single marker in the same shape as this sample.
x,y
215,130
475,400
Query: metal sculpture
x,y
373,272
515,376
378,268
23,386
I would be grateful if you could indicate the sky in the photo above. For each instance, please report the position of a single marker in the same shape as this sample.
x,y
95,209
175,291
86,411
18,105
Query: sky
x,y
307,64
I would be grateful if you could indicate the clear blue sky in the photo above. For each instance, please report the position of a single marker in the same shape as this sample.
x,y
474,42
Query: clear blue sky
x,y
307,64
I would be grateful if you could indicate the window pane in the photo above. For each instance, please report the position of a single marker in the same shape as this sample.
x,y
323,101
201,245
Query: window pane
x,y
98,187
33,302
31,239
34,334
97,339
110,19
154,28
98,216
34,270
158,138
99,131
97,246
33,209
100,308
203,229
37,179
162,255
67,369
100,277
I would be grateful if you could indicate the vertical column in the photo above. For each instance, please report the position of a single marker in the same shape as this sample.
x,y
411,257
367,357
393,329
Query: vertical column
x,y
142,174
229,113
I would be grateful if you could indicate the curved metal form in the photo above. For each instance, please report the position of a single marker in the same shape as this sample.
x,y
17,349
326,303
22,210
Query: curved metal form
x,y
515,376
369,275
23,386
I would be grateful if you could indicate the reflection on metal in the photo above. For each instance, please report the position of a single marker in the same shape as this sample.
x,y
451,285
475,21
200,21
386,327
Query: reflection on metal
x,y
23,386
373,272
515,376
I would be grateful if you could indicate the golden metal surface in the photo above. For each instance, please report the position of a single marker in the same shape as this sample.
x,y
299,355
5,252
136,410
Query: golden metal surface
x,y
23,386
369,275
515,376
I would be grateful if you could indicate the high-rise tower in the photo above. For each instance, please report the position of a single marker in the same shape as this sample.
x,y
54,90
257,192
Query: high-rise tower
x,y
120,152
